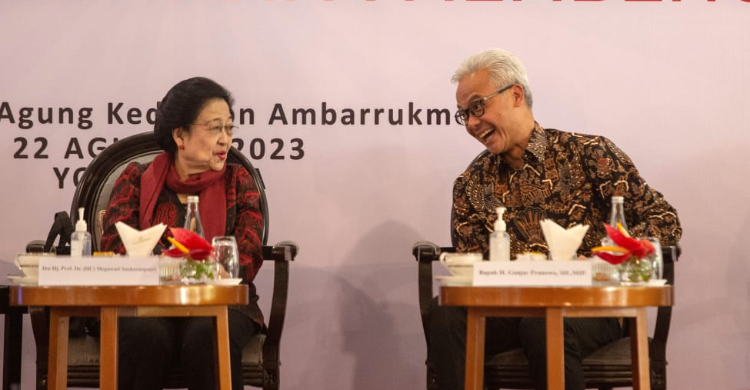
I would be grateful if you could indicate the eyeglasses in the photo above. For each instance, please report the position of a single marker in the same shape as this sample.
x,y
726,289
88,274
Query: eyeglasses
x,y
215,126
476,108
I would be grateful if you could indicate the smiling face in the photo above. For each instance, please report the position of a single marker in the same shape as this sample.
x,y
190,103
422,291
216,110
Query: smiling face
x,y
206,144
504,127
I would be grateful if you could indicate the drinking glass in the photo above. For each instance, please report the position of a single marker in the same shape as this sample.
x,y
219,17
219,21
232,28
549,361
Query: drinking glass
x,y
657,260
227,254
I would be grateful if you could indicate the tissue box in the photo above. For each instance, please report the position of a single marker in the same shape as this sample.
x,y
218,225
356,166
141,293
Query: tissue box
x,y
532,273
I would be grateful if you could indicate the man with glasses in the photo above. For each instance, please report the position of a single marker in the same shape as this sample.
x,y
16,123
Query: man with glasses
x,y
536,173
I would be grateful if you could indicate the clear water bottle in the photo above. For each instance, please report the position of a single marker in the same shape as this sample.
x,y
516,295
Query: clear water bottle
x,y
193,218
616,216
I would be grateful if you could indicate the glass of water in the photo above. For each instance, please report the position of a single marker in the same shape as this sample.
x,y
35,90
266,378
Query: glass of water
x,y
227,254
657,260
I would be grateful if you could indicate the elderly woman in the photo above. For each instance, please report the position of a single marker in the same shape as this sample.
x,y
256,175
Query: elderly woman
x,y
194,126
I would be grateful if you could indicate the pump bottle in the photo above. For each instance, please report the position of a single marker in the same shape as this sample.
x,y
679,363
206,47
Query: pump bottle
x,y
80,240
499,239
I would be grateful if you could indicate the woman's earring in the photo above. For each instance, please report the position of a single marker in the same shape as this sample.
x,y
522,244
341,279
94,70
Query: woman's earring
x,y
181,147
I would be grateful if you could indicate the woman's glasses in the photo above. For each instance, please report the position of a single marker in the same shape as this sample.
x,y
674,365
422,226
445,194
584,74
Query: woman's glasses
x,y
215,126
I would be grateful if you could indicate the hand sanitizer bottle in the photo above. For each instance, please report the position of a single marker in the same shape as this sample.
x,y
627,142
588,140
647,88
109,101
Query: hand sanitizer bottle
x,y
80,240
499,239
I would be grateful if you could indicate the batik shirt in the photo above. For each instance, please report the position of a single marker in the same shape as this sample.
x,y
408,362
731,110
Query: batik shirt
x,y
566,177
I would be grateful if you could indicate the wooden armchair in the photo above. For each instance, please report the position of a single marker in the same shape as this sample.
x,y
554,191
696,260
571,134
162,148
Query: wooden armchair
x,y
261,357
606,368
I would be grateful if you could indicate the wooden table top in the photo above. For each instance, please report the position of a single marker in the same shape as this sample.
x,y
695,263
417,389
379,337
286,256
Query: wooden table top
x,y
590,296
165,295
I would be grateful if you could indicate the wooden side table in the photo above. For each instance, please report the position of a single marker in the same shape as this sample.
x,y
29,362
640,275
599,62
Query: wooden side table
x,y
555,303
111,302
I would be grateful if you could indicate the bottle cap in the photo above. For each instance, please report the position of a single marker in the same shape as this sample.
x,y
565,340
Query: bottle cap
x,y
81,224
500,222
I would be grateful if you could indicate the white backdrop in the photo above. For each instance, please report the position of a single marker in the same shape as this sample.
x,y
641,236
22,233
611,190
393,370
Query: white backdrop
x,y
666,80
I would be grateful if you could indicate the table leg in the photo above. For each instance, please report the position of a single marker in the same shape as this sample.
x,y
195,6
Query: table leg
x,y
224,369
639,350
555,348
57,375
108,349
475,327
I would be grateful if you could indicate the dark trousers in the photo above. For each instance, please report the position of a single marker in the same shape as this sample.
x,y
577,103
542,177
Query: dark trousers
x,y
149,347
447,344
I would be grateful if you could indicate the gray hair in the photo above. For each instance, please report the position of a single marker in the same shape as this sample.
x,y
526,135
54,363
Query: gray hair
x,y
504,67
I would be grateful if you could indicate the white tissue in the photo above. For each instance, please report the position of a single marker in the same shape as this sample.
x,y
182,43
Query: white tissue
x,y
563,243
139,243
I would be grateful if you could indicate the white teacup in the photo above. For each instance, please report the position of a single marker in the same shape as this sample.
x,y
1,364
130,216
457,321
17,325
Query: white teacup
x,y
460,264
28,263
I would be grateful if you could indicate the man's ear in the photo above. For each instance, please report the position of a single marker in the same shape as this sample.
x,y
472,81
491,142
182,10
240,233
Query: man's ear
x,y
518,95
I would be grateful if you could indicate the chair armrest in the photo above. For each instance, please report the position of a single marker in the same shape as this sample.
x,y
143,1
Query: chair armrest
x,y
281,254
35,246
425,253
284,251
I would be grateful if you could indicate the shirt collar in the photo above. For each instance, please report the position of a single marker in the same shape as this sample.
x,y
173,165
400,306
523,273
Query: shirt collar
x,y
537,143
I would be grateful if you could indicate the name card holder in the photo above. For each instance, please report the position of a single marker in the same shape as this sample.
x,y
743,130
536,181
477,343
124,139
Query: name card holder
x,y
532,273
98,271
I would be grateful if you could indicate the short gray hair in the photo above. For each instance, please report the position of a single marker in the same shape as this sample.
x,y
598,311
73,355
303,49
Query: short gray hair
x,y
504,67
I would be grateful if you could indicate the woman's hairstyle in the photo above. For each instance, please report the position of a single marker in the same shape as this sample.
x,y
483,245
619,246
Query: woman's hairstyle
x,y
181,106
505,69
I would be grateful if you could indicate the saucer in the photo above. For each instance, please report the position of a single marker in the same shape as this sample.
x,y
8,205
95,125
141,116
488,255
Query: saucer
x,y
24,280
650,283
224,282
455,280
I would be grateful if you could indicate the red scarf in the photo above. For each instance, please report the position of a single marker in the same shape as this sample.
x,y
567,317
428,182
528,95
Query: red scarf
x,y
210,185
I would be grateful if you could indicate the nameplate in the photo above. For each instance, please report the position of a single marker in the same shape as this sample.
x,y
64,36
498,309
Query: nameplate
x,y
532,273
98,271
